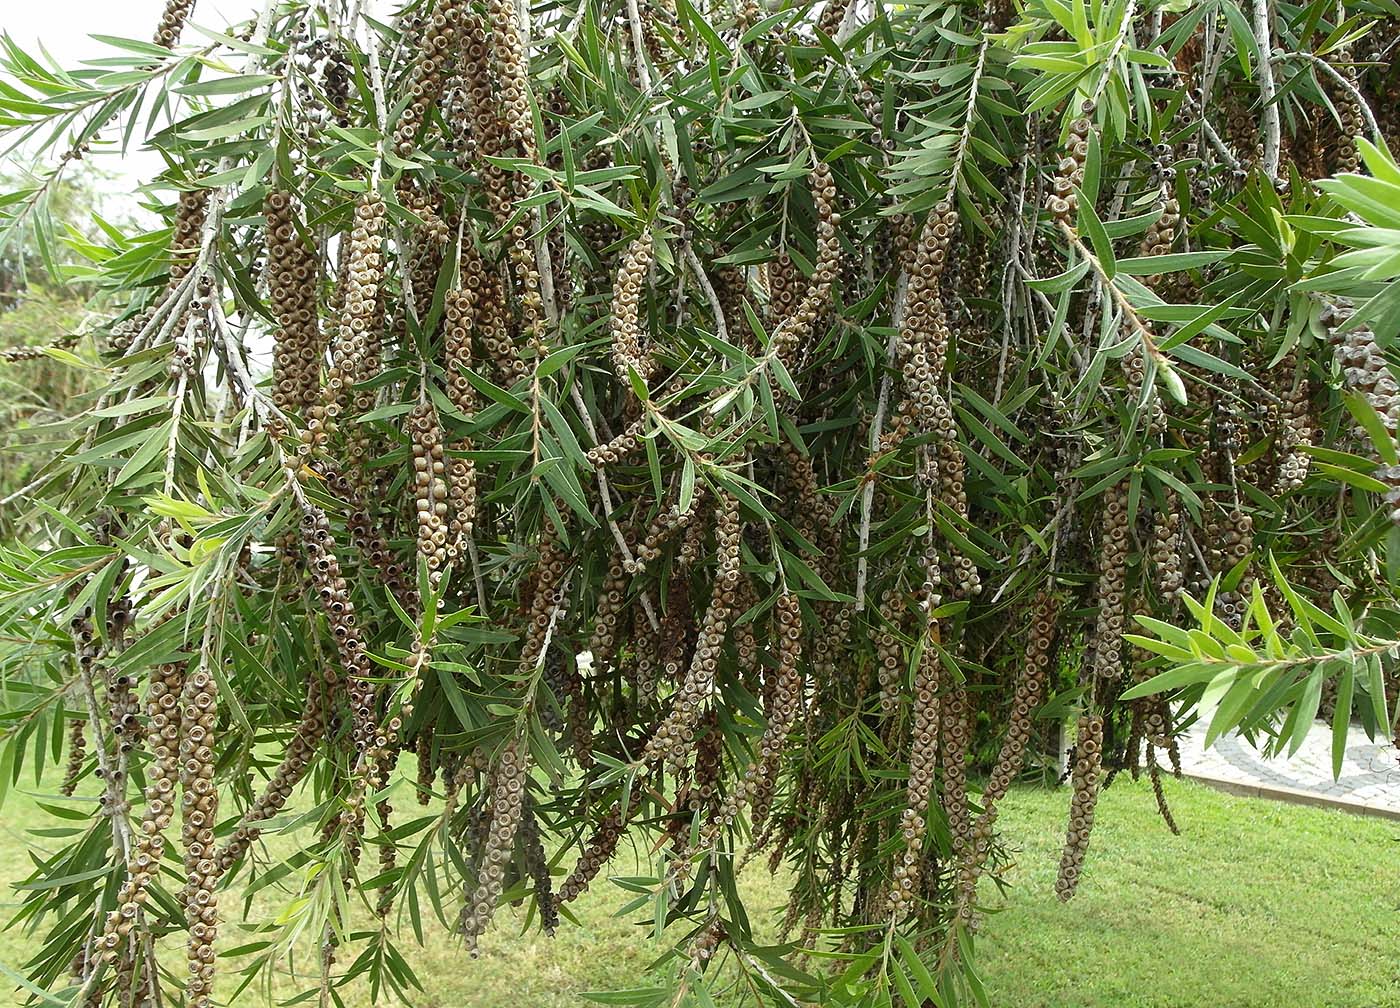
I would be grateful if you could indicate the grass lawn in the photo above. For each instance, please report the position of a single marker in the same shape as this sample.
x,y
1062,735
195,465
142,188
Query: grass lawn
x,y
1255,905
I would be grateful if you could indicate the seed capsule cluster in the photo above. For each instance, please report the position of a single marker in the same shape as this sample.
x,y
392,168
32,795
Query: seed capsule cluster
x,y
1166,550
164,741
358,324
199,813
782,710
1063,201
956,740
795,329
1085,775
889,654
334,595
677,733
507,805
430,488
172,22
458,311
1365,369
1029,694
190,214
627,350
923,757
1294,422
77,756
289,772
1113,575
596,853
292,272
537,867
435,49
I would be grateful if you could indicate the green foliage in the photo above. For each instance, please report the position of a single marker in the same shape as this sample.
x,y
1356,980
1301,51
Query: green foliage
x,y
685,424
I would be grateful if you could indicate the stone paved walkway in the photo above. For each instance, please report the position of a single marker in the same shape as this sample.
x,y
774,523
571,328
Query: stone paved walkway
x,y
1369,782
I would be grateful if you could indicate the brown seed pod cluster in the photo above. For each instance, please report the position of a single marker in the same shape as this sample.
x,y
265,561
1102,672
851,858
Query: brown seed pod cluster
x,y
596,853
889,654
1364,368
199,813
164,741
172,22
923,758
358,321
537,867
190,213
292,279
797,328
627,351
77,756
459,308
1107,656
512,67
1028,696
1166,551
334,595
1294,422
435,52
676,735
1063,200
783,707
430,488
1085,776
507,805
288,773
955,741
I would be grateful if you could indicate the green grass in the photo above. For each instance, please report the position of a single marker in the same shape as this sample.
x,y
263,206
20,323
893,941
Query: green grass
x,y
1255,905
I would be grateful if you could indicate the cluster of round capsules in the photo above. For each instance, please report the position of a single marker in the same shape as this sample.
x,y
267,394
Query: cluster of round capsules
x,y
923,341
622,445
1294,423
543,602
336,76
358,317
1365,369
1063,200
289,772
334,596
1166,550
489,316
783,280
795,329
676,734
164,741
458,310
430,488
889,654
782,710
627,350
190,212
512,67
537,867
172,22
435,53
293,276
199,812
604,641
662,527
77,756
507,804
1113,575
596,853
1027,698
1084,775
955,742
923,757
705,943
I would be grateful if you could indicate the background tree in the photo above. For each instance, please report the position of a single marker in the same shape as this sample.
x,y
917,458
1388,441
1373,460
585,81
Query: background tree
x,y
696,426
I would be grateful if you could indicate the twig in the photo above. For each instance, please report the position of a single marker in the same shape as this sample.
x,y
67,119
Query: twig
x,y
1273,132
